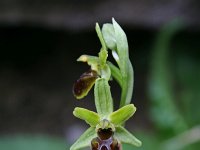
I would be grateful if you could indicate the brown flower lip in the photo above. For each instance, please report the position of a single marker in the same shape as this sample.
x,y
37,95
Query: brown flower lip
x,y
84,83
105,140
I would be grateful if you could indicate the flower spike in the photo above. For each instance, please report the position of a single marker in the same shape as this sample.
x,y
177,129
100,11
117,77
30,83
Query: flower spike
x,y
106,131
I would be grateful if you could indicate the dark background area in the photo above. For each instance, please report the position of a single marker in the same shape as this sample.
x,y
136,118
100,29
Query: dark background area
x,y
41,40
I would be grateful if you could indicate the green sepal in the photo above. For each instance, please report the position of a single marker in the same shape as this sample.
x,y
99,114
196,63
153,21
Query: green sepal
x,y
121,115
90,117
92,61
103,98
124,136
85,139
109,36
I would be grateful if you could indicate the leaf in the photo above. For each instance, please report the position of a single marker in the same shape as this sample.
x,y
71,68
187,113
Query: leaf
x,y
103,98
85,139
125,136
123,114
90,117
84,84
164,111
30,141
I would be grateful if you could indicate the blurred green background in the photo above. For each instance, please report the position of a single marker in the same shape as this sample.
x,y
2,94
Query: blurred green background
x,y
39,45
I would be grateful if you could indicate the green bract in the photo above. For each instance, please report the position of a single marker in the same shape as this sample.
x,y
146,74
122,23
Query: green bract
x,y
116,40
105,119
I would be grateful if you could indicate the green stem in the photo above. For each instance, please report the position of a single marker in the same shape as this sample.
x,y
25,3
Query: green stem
x,y
115,73
127,86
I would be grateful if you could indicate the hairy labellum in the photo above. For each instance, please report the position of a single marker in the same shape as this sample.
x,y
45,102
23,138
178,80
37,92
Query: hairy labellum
x,y
105,141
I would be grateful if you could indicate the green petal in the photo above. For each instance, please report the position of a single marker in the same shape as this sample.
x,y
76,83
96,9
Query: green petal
x,y
123,114
90,117
125,136
103,98
104,68
92,61
103,54
85,139
99,33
